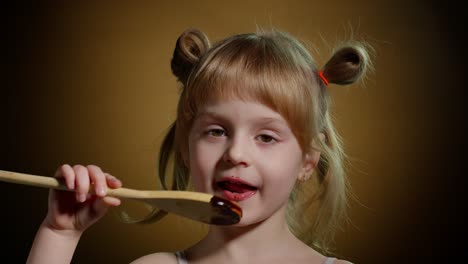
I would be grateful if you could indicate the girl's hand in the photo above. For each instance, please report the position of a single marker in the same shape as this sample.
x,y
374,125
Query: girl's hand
x,y
75,211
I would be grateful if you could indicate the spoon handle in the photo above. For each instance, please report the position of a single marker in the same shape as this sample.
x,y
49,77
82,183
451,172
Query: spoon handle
x,y
54,183
32,180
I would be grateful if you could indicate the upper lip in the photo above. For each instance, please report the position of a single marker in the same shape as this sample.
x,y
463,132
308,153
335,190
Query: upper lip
x,y
235,180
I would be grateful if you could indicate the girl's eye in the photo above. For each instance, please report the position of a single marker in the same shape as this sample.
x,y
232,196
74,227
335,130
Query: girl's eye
x,y
216,132
266,139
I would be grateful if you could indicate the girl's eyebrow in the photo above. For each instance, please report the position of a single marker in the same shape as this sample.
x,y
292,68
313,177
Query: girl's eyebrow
x,y
260,120
209,116
271,120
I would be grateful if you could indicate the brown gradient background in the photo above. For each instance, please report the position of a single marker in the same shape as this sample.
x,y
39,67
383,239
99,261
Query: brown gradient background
x,y
90,83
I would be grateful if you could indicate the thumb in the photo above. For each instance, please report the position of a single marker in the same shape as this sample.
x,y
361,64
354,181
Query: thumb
x,y
98,208
101,204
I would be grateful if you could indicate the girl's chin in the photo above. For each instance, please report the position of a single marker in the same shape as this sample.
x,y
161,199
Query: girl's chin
x,y
247,220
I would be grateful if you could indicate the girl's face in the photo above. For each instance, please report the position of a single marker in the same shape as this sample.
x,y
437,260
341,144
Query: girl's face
x,y
245,152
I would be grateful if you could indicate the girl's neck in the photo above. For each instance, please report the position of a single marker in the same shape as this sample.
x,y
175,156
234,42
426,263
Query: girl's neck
x,y
235,243
250,236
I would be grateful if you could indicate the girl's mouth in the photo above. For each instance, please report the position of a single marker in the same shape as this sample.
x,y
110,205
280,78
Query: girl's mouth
x,y
235,189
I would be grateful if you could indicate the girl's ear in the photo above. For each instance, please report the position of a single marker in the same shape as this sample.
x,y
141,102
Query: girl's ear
x,y
310,162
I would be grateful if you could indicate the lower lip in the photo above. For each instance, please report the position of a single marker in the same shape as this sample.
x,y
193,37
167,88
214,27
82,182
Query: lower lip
x,y
237,197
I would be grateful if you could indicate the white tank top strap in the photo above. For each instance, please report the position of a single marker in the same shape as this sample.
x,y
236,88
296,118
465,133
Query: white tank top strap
x,y
182,260
329,260
181,257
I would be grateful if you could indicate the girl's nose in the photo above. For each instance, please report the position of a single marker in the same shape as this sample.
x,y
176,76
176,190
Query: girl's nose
x,y
237,153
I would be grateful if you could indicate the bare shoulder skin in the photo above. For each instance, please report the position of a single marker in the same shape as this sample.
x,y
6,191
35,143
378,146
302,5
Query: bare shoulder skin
x,y
155,258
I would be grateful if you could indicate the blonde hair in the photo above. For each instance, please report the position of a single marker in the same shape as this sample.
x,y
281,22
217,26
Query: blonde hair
x,y
275,69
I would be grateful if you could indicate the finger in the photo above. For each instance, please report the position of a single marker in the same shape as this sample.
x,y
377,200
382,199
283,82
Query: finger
x,y
98,179
111,201
66,171
81,182
112,181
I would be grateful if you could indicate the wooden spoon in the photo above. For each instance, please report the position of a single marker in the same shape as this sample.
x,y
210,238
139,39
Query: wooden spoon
x,y
198,206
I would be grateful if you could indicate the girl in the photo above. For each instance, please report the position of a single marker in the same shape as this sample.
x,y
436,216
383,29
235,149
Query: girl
x,y
253,126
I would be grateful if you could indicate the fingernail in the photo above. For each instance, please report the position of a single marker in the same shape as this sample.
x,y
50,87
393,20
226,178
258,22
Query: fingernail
x,y
115,179
101,191
81,197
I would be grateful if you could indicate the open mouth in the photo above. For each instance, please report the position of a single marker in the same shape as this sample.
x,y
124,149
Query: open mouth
x,y
236,189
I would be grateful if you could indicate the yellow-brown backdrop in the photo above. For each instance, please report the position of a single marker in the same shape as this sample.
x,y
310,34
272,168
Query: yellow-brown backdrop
x,y
89,82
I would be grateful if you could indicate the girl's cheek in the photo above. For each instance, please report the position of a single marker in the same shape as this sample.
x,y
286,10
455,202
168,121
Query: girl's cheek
x,y
199,183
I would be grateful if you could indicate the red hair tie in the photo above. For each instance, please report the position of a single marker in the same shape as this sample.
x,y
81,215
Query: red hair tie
x,y
325,81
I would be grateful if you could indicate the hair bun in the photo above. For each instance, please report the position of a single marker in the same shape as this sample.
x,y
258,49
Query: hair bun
x,y
190,47
348,64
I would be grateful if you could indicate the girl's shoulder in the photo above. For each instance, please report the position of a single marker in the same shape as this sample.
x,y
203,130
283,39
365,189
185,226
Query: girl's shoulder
x,y
341,261
159,257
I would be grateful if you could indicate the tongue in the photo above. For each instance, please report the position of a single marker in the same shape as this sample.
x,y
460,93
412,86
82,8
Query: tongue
x,y
238,188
